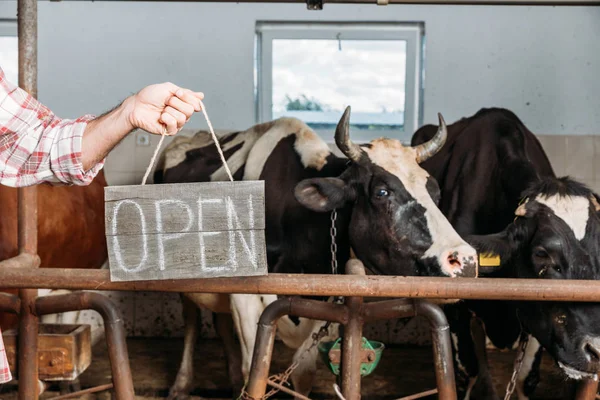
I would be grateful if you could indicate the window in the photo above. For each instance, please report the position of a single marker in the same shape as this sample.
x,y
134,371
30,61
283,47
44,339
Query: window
x,y
312,71
9,50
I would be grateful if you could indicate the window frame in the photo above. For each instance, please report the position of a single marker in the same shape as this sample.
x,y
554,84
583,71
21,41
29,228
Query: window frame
x,y
411,32
9,28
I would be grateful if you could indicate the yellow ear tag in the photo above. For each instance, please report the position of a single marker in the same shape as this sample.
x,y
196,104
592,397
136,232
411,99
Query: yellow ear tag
x,y
489,260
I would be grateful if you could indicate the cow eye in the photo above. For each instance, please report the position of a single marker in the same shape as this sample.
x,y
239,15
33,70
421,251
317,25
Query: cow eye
x,y
540,253
382,192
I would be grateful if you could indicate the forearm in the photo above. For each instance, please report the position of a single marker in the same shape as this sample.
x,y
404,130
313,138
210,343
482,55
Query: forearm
x,y
102,134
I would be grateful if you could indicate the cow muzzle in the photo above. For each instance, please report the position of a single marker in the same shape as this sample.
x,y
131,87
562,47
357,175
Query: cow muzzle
x,y
461,261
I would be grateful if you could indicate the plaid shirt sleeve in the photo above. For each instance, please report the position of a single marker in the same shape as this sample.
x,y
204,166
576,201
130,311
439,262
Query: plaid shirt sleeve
x,y
35,145
5,375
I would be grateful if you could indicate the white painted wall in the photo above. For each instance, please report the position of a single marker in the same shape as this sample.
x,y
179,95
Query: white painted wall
x,y
541,62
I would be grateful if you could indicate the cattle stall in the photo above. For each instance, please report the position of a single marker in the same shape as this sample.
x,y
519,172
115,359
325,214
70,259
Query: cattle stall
x,y
413,294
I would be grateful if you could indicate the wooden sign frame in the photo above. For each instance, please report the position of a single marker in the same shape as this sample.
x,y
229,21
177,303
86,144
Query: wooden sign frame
x,y
186,230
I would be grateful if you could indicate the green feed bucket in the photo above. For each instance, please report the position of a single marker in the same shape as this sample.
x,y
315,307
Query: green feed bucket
x,y
366,368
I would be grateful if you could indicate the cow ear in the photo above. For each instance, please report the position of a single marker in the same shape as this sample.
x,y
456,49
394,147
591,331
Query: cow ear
x,y
595,202
493,251
321,194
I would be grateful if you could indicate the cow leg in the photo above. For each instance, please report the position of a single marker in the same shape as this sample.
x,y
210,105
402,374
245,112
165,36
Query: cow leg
x,y
483,388
225,329
246,310
529,374
470,382
304,375
185,376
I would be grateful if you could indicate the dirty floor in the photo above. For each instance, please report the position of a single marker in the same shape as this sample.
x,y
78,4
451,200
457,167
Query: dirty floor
x,y
402,371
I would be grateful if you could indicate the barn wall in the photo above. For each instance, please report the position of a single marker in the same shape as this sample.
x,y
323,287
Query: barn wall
x,y
541,62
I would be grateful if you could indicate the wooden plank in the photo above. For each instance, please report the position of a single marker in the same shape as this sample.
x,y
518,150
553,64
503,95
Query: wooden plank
x,y
185,207
186,231
64,351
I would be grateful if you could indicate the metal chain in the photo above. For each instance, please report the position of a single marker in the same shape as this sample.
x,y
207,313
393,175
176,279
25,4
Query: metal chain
x,y
510,388
333,232
334,262
283,378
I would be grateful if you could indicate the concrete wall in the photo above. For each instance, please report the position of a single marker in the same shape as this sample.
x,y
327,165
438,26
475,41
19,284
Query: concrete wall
x,y
541,62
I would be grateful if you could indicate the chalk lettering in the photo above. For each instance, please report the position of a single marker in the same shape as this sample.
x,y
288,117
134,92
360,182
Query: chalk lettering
x,y
162,237
186,231
232,216
115,238
201,236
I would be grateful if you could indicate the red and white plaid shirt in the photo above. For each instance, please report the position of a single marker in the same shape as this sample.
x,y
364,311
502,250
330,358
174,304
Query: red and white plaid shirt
x,y
5,375
37,146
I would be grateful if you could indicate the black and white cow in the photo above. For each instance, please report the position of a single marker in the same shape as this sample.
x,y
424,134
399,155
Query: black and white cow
x,y
386,212
495,177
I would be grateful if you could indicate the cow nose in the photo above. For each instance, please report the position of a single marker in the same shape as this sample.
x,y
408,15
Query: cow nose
x,y
591,348
459,261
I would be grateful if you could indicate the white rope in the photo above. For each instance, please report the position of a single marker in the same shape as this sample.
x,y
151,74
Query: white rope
x,y
336,388
162,138
212,132
215,139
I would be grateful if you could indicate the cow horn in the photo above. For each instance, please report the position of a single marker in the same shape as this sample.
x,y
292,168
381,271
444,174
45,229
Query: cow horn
x,y
342,138
429,148
595,202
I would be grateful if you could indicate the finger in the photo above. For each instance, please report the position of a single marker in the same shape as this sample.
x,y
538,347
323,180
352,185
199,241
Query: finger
x,y
181,106
189,97
199,95
179,116
171,87
170,122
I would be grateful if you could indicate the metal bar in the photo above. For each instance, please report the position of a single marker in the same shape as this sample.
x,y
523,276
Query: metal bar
x,y
388,309
431,2
286,390
263,347
586,390
319,310
10,303
419,395
27,212
114,329
351,345
73,395
442,348
23,260
352,338
320,285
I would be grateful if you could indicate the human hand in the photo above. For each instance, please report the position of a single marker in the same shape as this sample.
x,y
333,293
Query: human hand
x,y
162,108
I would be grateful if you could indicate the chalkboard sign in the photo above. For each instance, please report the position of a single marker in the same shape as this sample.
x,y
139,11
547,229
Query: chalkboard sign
x,y
186,230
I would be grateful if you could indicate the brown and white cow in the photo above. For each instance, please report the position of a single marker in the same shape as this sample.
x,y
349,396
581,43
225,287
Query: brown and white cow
x,y
386,208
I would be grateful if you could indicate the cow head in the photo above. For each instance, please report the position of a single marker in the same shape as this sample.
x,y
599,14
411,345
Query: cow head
x,y
395,225
556,236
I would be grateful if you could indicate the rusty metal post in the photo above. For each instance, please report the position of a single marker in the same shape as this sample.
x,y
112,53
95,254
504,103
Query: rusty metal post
x,y
561,290
442,348
351,346
27,211
263,347
352,339
114,328
10,303
267,327
586,390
